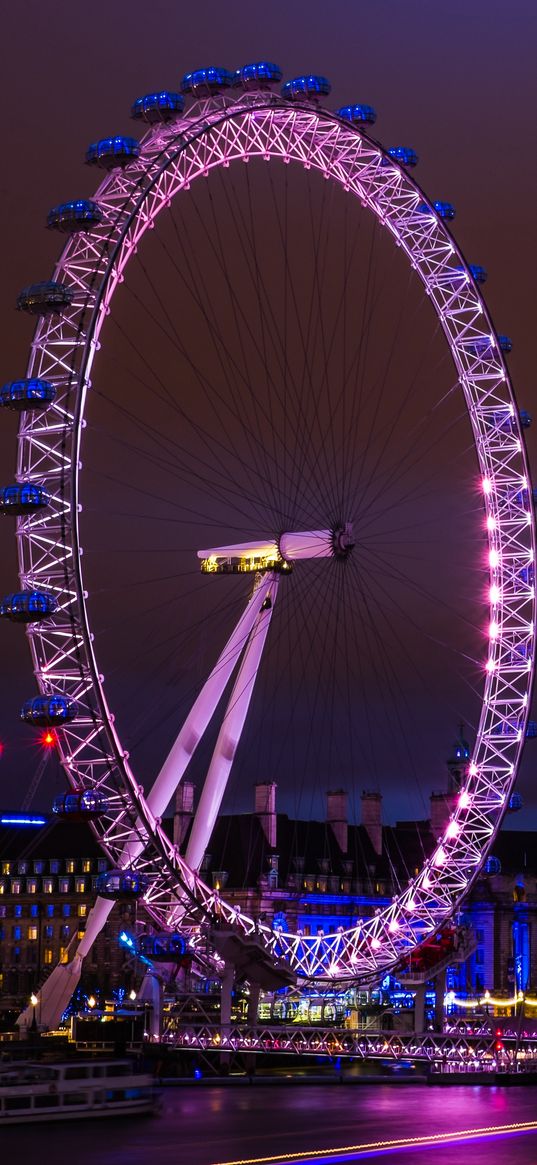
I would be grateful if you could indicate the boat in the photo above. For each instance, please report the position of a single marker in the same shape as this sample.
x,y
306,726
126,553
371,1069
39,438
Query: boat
x,y
73,1090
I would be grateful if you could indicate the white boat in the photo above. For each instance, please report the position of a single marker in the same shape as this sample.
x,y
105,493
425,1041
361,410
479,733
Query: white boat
x,y
74,1090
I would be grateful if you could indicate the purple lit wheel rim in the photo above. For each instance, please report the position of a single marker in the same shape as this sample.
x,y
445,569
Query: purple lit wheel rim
x,y
216,132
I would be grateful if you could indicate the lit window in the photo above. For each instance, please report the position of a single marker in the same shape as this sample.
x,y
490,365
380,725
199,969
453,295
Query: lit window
x,y
64,885
22,868
64,955
34,910
16,932
48,956
65,930
48,885
3,911
6,867
49,931
70,865
39,867
86,866
50,911
102,865
54,866
66,910
32,934
31,886
16,885
80,934
2,887
80,885
82,910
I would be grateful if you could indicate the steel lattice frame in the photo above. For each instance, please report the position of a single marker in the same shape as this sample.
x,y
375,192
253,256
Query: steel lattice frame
x,y
216,132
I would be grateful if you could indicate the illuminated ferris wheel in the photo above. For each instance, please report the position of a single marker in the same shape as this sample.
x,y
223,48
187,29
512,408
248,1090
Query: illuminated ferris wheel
x,y
220,121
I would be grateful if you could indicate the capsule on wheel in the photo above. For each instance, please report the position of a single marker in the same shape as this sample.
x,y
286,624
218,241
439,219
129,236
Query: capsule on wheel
x,y
154,107
108,153
121,885
27,395
44,299
24,497
361,114
79,215
28,606
207,82
49,711
83,805
162,948
261,75
307,87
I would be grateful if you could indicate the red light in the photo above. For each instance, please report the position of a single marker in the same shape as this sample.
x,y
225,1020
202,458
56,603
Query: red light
x,y
499,1046
48,739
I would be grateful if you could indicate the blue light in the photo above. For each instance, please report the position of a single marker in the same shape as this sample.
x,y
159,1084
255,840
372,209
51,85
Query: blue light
x,y
23,820
126,939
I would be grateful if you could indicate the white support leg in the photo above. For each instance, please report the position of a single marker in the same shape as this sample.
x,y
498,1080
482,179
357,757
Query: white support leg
x,y
229,736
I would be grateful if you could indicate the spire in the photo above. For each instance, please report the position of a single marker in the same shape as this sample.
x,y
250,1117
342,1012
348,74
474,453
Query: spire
x,y
458,760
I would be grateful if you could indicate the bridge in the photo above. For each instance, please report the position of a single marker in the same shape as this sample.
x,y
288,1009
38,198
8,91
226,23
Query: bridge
x,y
452,1051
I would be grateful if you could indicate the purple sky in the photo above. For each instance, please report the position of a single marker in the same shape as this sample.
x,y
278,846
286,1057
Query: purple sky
x,y
456,82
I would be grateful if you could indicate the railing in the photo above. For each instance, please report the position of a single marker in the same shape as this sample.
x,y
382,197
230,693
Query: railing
x,y
442,1051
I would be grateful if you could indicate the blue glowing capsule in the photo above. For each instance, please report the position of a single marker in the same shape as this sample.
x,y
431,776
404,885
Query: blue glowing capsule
x,y
493,866
515,802
84,805
479,275
164,106
42,299
442,209
23,497
308,86
49,711
525,418
121,885
405,155
207,82
162,948
363,114
261,75
506,343
111,152
33,394
79,215
28,606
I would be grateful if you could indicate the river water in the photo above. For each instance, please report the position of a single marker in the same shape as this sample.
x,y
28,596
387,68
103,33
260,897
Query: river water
x,y
207,1124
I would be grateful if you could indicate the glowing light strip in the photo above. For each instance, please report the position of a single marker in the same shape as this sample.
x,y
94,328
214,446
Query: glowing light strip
x,y
485,999
23,821
356,1151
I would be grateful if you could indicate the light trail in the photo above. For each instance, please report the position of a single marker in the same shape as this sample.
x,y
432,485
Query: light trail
x,y
377,1148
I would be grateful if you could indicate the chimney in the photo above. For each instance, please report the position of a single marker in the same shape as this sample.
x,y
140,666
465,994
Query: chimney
x,y
265,809
183,812
337,817
441,809
372,818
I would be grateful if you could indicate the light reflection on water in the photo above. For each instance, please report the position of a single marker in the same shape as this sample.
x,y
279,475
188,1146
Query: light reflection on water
x,y
206,1124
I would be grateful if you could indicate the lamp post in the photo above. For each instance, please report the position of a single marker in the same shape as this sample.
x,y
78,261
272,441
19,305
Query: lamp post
x,y
34,1000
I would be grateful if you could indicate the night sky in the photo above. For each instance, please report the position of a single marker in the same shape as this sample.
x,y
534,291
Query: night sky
x,y
458,84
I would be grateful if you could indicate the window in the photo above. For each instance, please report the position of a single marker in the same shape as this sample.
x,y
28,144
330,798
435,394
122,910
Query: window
x,y
31,886
16,932
22,868
32,934
6,867
50,910
64,955
34,910
17,911
65,930
480,935
80,885
66,910
16,885
2,887
48,956
102,865
3,911
39,867
70,865
82,910
48,885
49,931
480,956
86,866
54,866
64,886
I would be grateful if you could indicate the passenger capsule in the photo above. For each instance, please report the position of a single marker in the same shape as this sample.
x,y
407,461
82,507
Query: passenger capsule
x,y
479,275
308,86
24,497
442,209
405,155
362,114
506,343
43,299
162,948
525,418
493,866
262,75
154,107
121,885
69,217
49,711
28,606
27,395
111,152
515,802
206,82
83,805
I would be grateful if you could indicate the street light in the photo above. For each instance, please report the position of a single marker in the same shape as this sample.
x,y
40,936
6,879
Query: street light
x,y
34,1000
132,995
91,1001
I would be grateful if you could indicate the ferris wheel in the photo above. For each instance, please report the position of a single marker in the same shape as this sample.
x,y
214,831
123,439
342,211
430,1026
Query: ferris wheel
x,y
219,121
